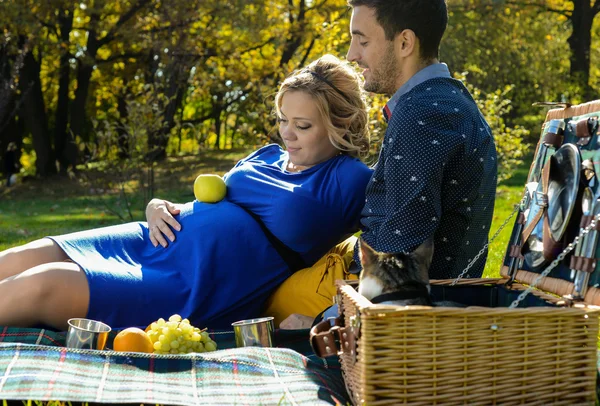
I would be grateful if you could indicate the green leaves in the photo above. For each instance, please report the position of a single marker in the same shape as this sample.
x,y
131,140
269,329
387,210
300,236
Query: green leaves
x,y
510,146
217,65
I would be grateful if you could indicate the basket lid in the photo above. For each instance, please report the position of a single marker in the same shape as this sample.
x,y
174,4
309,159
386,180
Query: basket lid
x,y
569,147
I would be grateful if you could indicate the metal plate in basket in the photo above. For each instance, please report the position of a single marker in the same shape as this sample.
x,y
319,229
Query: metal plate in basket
x,y
563,186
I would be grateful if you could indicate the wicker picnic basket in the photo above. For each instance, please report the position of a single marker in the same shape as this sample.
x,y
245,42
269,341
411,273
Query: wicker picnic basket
x,y
474,356
542,352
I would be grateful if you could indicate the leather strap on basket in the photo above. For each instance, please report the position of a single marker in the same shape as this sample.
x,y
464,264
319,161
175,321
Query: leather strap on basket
x,y
549,244
515,249
553,139
582,129
326,340
583,264
545,182
521,219
586,220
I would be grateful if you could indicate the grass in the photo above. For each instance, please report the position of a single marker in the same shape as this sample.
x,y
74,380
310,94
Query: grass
x,y
59,205
37,208
508,194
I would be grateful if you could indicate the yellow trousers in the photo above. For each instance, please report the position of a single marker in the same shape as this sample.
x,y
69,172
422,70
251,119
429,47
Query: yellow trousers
x,y
311,290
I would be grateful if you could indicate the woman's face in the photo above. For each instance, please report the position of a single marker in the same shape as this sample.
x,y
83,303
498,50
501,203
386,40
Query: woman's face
x,y
303,131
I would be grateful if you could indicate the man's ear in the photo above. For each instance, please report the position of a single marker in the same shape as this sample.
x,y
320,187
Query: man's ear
x,y
406,43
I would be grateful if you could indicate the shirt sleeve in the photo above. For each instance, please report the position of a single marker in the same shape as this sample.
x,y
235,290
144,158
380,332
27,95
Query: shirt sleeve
x,y
419,142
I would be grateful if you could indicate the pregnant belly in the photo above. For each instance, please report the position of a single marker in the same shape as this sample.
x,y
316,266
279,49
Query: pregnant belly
x,y
208,231
215,221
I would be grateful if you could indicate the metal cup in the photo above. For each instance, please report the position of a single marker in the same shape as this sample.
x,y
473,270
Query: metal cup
x,y
87,334
254,332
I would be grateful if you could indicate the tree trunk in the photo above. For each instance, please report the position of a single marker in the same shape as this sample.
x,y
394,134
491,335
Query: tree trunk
x,y
580,43
169,118
217,111
296,34
234,131
13,132
158,140
177,82
35,115
11,125
64,144
7,94
218,130
79,121
122,134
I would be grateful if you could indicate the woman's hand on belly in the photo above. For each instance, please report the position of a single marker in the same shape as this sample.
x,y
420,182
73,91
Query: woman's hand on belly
x,y
159,214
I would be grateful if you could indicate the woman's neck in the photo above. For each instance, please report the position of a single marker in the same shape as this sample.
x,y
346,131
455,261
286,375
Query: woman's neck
x,y
291,167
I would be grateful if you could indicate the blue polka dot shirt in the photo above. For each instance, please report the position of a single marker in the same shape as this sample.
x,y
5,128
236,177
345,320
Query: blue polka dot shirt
x,y
436,176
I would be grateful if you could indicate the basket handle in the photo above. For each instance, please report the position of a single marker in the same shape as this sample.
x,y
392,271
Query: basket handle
x,y
326,339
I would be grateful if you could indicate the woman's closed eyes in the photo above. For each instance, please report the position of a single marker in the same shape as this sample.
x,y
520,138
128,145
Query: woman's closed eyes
x,y
299,126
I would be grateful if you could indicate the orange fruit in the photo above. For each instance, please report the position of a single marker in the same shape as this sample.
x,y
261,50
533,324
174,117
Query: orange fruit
x,y
133,339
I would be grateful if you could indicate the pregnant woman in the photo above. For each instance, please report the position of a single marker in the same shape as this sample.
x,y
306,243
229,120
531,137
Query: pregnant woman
x,y
222,266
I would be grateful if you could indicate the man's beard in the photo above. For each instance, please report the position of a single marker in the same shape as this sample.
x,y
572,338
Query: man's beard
x,y
383,79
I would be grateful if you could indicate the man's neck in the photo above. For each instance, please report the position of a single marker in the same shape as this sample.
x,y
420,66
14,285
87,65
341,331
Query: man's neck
x,y
432,70
410,69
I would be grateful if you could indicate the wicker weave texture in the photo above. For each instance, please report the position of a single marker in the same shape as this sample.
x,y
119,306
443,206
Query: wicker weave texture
x,y
455,356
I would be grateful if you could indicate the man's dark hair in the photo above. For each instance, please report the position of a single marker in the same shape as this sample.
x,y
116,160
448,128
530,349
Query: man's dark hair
x,y
426,18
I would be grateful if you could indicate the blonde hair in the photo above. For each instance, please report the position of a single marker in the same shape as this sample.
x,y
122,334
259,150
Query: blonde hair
x,y
337,91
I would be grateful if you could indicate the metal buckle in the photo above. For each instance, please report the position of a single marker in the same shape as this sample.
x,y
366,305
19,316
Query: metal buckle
x,y
541,199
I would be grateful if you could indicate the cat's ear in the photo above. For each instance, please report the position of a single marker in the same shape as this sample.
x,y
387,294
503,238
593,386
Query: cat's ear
x,y
366,253
424,253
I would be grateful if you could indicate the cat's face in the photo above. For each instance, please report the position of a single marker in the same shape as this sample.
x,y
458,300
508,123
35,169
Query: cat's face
x,y
385,273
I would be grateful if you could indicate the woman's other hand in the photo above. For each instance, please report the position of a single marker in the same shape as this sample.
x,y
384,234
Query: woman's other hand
x,y
159,214
296,322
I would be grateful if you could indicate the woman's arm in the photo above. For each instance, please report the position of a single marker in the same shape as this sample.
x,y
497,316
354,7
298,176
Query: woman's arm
x,y
159,214
296,322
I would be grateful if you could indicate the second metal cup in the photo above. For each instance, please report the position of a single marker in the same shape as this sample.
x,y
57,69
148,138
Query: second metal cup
x,y
254,332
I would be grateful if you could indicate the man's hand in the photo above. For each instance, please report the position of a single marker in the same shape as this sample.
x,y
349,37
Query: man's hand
x,y
297,322
159,214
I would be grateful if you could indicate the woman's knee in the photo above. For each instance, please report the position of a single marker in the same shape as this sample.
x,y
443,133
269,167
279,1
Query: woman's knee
x,y
37,252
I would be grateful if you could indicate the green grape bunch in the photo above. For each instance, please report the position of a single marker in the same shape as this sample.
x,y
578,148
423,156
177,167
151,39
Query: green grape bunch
x,y
177,336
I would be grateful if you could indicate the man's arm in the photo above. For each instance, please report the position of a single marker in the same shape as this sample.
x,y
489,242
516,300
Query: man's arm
x,y
405,205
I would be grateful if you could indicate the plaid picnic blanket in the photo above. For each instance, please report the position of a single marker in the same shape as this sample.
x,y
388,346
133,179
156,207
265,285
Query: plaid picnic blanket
x,y
34,365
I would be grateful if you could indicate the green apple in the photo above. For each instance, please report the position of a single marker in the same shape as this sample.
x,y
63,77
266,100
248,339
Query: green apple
x,y
209,188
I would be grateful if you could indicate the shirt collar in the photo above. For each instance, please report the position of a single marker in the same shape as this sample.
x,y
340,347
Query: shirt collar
x,y
436,70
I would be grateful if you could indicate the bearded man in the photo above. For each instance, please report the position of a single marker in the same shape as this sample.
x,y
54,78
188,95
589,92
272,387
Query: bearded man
x,y
436,173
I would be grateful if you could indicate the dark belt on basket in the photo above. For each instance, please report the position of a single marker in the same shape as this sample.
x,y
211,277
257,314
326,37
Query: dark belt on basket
x,y
538,216
293,259
327,341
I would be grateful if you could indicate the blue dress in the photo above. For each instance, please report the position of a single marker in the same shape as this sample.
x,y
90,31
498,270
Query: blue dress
x,y
221,267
